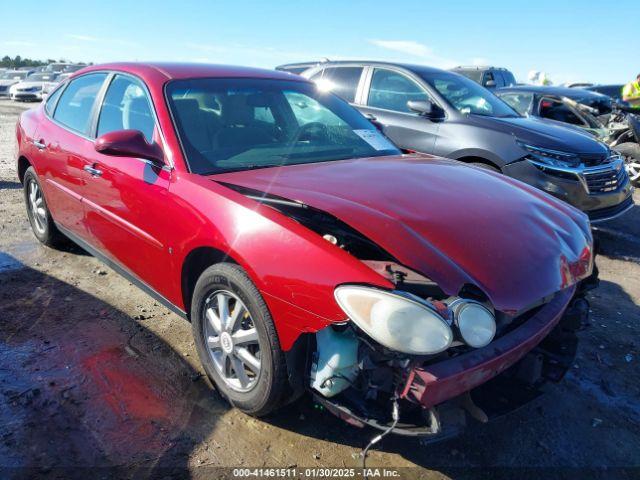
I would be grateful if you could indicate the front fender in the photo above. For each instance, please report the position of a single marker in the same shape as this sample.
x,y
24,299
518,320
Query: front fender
x,y
295,269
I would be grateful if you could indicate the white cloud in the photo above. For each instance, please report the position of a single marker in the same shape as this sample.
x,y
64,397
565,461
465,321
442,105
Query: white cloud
x,y
415,49
404,46
19,43
480,61
82,38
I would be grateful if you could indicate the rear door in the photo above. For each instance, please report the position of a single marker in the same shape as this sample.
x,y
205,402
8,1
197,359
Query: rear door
x,y
125,198
386,99
64,142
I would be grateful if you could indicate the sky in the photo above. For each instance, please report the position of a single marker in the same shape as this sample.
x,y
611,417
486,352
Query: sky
x,y
568,40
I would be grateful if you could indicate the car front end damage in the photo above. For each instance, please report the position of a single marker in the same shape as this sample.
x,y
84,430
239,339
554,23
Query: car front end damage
x,y
485,289
438,396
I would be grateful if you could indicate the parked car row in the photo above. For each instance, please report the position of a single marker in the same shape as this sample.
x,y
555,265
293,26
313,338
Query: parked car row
x,y
311,252
33,84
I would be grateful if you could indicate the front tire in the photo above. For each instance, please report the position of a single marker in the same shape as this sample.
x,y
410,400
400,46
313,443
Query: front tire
x,y
631,153
39,215
237,341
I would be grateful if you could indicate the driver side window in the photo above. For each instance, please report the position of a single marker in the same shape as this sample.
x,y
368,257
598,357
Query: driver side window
x,y
126,107
392,90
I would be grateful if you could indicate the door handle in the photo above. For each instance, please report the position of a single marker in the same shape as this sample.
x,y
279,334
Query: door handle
x,y
93,171
39,144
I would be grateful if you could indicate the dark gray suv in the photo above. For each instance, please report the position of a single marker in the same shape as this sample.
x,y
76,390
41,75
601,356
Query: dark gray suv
x,y
442,113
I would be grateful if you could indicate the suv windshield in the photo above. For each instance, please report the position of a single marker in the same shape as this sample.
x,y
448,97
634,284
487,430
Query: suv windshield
x,y
467,96
238,124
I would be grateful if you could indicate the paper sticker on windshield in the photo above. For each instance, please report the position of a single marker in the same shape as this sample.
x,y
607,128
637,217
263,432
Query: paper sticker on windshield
x,y
375,139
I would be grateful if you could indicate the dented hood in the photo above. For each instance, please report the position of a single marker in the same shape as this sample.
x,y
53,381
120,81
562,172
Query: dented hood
x,y
454,223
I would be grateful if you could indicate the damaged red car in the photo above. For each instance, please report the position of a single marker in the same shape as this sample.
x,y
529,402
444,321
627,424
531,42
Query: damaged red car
x,y
307,251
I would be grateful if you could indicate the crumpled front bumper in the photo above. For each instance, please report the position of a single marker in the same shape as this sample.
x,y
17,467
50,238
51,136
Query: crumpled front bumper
x,y
430,385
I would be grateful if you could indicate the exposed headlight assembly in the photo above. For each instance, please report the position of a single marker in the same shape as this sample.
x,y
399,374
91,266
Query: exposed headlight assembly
x,y
551,157
476,324
395,321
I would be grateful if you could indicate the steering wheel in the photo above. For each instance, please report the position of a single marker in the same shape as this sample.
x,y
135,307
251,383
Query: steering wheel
x,y
312,130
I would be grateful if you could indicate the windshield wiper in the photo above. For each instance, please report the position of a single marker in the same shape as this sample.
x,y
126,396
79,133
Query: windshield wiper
x,y
321,153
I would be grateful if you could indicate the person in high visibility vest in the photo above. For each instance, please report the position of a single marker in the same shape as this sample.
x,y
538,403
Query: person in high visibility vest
x,y
631,93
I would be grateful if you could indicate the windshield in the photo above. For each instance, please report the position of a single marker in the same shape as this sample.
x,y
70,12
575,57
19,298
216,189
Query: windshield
x,y
238,124
13,75
42,77
467,96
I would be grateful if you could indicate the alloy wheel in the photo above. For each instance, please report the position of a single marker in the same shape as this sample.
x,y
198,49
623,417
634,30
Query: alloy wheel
x,y
232,340
633,169
36,206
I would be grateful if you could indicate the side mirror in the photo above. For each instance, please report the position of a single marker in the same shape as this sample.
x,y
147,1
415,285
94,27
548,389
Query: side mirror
x,y
490,83
129,143
425,108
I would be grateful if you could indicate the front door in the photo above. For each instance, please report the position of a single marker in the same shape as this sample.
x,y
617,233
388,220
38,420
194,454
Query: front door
x,y
125,197
389,92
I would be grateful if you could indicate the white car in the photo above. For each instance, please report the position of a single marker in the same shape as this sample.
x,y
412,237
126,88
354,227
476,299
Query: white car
x,y
9,78
34,87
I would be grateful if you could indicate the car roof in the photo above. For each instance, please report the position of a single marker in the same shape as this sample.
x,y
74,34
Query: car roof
x,y
173,71
478,68
374,63
550,90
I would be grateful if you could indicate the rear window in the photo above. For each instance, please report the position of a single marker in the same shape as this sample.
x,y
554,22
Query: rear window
x,y
343,81
76,102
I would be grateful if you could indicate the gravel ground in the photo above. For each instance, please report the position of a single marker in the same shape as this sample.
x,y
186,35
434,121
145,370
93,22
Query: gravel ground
x,y
95,374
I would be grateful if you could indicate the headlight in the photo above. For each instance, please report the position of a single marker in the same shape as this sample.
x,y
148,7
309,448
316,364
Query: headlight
x,y
394,321
476,324
551,157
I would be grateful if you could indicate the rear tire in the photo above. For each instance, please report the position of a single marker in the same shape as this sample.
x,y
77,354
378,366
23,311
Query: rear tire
x,y
631,153
241,356
42,224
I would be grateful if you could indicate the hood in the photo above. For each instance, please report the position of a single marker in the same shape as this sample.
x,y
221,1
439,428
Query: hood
x,y
540,133
454,223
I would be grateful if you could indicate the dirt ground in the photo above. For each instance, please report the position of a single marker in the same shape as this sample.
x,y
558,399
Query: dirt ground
x,y
96,378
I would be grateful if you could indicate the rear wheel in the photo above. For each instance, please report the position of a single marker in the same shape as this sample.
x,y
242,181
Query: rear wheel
x,y
236,340
631,153
40,219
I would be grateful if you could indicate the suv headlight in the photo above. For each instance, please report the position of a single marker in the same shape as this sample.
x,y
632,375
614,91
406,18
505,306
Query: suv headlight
x,y
397,322
551,157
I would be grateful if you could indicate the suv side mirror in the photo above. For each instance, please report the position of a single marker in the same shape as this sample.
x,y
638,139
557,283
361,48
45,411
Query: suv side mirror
x,y
129,143
425,108
490,83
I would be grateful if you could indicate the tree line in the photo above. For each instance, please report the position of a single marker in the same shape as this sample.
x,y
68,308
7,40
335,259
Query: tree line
x,y
18,61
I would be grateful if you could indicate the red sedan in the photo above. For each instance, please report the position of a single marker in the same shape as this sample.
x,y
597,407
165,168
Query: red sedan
x,y
309,253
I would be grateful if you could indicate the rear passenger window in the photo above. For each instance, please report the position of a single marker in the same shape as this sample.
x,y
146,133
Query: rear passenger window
x,y
391,91
343,81
52,99
126,107
76,102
